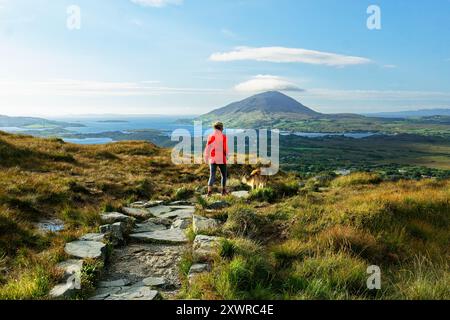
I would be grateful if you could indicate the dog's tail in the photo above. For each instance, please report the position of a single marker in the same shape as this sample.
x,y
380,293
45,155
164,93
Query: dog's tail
x,y
256,172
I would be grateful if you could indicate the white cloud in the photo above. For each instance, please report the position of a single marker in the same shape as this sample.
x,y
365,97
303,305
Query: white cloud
x,y
157,3
266,83
288,55
377,95
83,88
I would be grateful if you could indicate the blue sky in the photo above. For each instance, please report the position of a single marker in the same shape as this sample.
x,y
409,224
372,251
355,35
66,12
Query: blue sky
x,y
189,56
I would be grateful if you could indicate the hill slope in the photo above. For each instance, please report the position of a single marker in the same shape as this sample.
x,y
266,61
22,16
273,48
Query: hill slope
x,y
284,241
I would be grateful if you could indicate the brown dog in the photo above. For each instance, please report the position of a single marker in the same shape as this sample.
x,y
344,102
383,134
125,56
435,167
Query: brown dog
x,y
256,180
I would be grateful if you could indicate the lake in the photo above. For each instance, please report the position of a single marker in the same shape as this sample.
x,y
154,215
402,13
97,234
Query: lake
x,y
167,124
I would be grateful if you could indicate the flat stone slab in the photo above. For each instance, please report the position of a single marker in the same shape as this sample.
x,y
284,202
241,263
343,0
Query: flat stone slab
x,y
204,247
148,227
179,214
93,237
70,267
178,207
137,213
154,282
146,204
85,249
103,293
158,210
241,194
134,293
162,236
113,284
113,217
201,224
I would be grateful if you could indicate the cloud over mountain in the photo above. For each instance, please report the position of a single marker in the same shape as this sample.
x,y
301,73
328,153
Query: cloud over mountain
x,y
267,83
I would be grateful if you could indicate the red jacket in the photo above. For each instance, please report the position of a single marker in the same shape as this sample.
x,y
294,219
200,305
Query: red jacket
x,y
216,148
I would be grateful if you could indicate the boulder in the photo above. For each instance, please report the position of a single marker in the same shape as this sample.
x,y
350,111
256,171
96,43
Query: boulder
x,y
241,194
93,237
204,247
115,232
86,249
174,236
140,214
201,224
148,227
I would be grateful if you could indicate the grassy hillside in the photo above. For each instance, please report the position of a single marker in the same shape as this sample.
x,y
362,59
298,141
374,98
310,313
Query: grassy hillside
x,y
318,242
294,239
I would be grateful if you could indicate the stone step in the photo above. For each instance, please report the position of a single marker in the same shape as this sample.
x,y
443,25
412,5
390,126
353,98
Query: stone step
x,y
148,227
179,214
86,249
140,214
175,236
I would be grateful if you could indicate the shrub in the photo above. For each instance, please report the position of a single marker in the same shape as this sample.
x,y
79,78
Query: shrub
x,y
334,276
183,193
244,222
360,243
267,194
358,178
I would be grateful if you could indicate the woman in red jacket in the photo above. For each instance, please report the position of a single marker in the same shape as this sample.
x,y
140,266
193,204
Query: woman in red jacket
x,y
216,153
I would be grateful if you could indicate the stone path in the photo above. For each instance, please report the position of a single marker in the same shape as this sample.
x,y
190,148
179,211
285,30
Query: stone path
x,y
149,240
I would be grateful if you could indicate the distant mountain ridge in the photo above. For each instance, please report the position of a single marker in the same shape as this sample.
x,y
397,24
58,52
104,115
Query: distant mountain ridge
x,y
412,113
33,122
274,109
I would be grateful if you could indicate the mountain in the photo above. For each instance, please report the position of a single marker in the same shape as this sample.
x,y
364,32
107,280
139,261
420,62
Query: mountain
x,y
34,123
262,109
271,102
411,114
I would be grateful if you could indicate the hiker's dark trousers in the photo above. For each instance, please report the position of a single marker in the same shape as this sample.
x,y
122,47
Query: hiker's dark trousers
x,y
213,171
